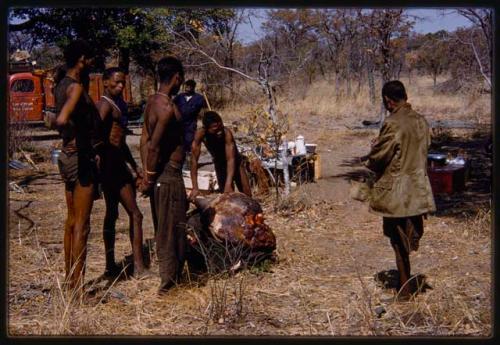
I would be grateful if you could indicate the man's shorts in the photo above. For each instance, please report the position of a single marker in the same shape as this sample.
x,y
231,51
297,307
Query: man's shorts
x,y
75,167
114,170
405,231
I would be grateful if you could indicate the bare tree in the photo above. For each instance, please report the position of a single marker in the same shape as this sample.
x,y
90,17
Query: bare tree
x,y
189,43
382,28
482,19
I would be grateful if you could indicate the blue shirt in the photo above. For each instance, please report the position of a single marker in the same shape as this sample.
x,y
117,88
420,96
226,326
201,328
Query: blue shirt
x,y
189,111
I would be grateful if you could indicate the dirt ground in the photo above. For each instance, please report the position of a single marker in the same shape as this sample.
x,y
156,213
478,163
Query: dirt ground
x,y
329,247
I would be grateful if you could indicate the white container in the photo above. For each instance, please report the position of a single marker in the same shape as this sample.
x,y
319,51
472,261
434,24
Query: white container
x,y
300,146
54,156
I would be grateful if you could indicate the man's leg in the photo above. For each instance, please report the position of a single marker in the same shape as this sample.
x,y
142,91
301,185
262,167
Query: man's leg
x,y
83,201
403,264
154,216
242,181
170,201
392,229
68,234
127,198
109,230
221,173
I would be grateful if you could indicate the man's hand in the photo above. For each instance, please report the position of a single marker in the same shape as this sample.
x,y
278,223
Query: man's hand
x,y
97,159
194,193
146,187
139,174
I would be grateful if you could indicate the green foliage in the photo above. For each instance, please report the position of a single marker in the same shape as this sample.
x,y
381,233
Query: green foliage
x,y
262,266
137,33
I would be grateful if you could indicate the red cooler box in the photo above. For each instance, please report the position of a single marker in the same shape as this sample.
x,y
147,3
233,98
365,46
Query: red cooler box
x,y
447,179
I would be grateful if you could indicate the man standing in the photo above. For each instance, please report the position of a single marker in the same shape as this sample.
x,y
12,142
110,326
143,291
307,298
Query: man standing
x,y
219,141
117,181
79,125
189,104
402,192
162,155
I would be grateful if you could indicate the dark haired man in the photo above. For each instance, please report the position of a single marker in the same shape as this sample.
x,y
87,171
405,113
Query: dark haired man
x,y
162,156
219,141
190,104
79,124
117,181
402,192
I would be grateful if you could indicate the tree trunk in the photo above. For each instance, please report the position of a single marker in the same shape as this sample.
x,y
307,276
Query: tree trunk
x,y
348,73
371,82
360,80
382,114
348,79
337,84
124,59
274,118
99,64
284,161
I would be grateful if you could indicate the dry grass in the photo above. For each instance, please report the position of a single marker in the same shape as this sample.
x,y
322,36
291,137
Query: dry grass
x,y
319,108
329,249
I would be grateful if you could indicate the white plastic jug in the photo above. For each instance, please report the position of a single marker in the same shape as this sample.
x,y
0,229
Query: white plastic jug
x,y
300,146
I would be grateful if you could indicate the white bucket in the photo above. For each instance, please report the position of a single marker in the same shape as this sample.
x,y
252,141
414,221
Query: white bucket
x,y
300,146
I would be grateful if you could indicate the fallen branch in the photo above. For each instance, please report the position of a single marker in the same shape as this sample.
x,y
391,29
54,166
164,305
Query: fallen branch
x,y
28,158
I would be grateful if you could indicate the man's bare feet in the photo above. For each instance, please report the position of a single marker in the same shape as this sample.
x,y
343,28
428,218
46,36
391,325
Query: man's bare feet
x,y
142,273
165,288
112,271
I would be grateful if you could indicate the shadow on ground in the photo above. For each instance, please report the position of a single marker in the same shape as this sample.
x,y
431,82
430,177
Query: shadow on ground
x,y
389,279
477,193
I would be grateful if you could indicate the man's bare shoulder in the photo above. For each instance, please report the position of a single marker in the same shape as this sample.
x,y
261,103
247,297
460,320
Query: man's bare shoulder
x,y
228,134
159,106
103,105
199,134
75,89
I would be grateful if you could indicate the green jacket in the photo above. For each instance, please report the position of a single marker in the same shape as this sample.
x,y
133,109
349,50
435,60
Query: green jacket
x,y
399,160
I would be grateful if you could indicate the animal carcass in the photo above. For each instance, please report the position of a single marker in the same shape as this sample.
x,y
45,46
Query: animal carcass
x,y
233,222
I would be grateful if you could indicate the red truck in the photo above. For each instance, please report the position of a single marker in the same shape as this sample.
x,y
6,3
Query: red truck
x,y
31,98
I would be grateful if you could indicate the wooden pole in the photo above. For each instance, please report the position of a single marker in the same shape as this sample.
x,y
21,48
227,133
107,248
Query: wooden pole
x,y
206,100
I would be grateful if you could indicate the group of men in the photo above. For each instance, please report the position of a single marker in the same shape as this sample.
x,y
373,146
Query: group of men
x,y
169,133
94,154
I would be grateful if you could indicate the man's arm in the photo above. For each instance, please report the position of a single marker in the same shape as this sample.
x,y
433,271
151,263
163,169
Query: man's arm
x,y
128,156
73,93
195,155
143,151
383,149
104,109
143,143
164,113
230,158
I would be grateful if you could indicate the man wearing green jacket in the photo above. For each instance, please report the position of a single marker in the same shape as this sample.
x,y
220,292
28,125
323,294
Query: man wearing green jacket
x,y
402,192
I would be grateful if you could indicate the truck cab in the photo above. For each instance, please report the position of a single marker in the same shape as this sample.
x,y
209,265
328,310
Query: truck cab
x,y
30,96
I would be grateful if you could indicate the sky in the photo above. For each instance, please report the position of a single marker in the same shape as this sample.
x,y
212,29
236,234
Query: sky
x,y
429,20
